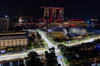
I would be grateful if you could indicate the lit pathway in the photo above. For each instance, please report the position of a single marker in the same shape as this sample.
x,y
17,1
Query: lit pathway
x,y
42,51
50,45
84,41
21,55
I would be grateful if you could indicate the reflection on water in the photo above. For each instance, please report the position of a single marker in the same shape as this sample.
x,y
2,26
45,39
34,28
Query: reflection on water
x,y
88,28
95,29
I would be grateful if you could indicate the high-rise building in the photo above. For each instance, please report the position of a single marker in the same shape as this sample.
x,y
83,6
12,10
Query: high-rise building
x,y
4,24
53,14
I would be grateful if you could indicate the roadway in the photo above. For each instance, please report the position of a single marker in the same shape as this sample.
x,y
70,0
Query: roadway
x,y
42,51
39,51
50,45
83,41
21,55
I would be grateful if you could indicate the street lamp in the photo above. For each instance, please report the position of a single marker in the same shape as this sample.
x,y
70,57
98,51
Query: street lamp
x,y
6,16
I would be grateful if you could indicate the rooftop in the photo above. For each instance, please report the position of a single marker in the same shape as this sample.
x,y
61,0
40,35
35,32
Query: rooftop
x,y
75,20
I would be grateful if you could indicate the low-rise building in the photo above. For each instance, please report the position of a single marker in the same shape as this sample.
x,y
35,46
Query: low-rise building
x,y
13,39
77,22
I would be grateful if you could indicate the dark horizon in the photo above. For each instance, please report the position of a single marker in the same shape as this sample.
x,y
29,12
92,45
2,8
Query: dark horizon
x,y
73,9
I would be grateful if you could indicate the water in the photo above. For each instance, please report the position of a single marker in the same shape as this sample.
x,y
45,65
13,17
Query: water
x,y
95,29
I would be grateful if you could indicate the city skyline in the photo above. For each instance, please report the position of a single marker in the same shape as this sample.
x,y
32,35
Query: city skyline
x,y
73,9
49,33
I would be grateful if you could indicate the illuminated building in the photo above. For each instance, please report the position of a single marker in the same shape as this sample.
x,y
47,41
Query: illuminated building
x,y
77,22
22,20
66,24
55,34
94,19
58,32
61,32
77,30
50,14
94,22
13,39
4,24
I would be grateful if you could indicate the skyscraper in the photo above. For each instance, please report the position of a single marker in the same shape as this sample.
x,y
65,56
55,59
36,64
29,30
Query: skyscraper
x,y
4,24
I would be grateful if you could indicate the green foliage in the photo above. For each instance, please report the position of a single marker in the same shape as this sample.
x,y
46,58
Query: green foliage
x,y
29,47
46,44
69,57
27,62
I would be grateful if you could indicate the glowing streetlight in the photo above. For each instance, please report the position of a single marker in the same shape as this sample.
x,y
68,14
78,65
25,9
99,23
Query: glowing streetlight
x,y
6,16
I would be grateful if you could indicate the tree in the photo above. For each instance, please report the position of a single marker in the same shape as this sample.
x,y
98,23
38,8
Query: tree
x,y
61,46
46,54
34,61
21,64
51,58
32,55
59,65
52,49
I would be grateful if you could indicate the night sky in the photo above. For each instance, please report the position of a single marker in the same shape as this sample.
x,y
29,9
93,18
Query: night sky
x,y
83,9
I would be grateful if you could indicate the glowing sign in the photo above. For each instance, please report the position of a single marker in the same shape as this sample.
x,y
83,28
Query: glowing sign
x,y
60,56
2,51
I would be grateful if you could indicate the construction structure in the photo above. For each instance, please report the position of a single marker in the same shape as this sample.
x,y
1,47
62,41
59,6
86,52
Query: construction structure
x,y
53,14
